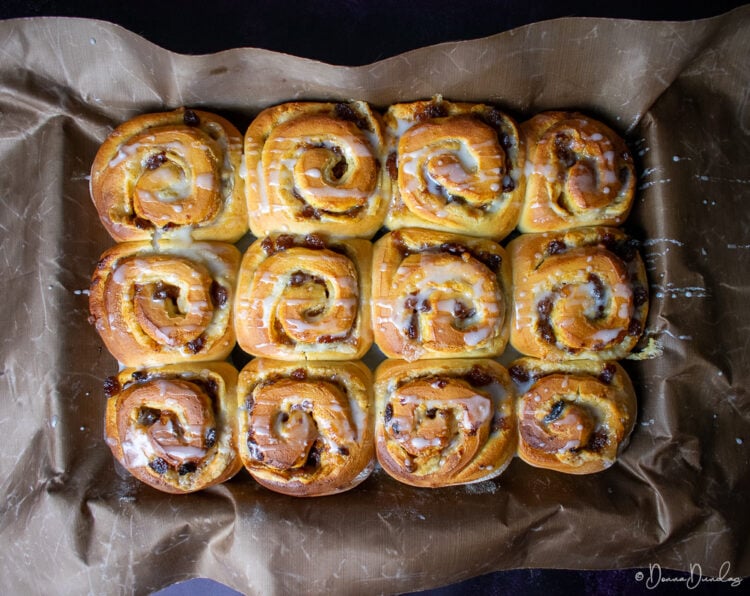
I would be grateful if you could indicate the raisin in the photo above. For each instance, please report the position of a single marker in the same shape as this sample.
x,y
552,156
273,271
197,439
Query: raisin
x,y
597,442
218,294
519,374
344,111
142,224
462,312
298,278
187,468
555,412
546,331
431,413
453,248
431,110
544,307
555,247
212,389
314,242
111,387
563,152
478,377
267,244
284,242
190,118
138,376
411,301
640,296
391,165
491,260
299,374
339,170
148,416
196,345
412,330
597,291
440,383
506,142
158,465
310,212
156,160
499,423
284,417
635,328
210,439
313,457
608,373
343,450
388,414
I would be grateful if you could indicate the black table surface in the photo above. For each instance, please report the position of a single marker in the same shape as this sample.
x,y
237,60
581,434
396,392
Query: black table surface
x,y
355,32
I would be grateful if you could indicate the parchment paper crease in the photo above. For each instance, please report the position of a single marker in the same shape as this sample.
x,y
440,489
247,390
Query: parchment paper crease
x,y
71,521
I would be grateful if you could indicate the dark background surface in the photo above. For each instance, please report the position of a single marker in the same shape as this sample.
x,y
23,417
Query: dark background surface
x,y
354,32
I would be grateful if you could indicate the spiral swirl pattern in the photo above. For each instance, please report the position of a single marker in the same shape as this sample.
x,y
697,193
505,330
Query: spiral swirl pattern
x,y
315,167
579,173
305,302
579,294
438,295
458,168
160,173
173,427
305,430
445,422
167,305
574,418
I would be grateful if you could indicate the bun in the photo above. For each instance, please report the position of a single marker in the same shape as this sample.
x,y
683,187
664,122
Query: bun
x,y
579,172
573,417
454,167
437,295
316,167
580,294
444,422
305,297
174,427
306,428
158,174
167,303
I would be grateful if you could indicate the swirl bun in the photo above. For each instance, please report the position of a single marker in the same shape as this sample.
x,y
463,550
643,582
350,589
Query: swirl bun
x,y
316,167
437,294
575,416
174,427
443,422
455,167
161,173
165,304
579,172
305,297
306,429
577,294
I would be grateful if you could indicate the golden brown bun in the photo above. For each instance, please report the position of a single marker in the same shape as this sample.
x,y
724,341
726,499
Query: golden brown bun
x,y
444,422
166,303
437,295
316,167
579,172
306,428
574,417
581,294
175,427
305,297
172,171
455,167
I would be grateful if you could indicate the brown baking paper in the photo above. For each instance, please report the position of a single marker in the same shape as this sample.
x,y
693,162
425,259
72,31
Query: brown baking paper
x,y
73,521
